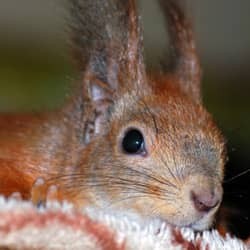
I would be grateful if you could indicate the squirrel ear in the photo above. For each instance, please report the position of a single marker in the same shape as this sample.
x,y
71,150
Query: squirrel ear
x,y
186,64
107,46
100,98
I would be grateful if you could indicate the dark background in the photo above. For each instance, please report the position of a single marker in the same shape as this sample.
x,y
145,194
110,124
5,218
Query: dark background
x,y
35,71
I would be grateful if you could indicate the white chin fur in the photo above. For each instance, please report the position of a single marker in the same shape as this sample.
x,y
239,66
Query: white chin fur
x,y
203,224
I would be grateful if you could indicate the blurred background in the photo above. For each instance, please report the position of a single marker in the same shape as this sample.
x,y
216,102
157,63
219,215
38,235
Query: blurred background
x,y
36,70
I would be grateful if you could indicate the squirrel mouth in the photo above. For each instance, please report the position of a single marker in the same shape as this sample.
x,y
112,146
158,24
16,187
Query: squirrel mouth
x,y
202,224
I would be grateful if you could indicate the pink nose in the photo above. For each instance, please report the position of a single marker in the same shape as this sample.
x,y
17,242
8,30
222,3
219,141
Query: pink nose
x,y
206,200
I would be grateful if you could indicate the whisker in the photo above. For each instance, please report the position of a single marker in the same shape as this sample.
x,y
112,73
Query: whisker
x,y
171,172
142,184
147,109
127,186
136,196
237,176
154,178
123,184
81,176
165,189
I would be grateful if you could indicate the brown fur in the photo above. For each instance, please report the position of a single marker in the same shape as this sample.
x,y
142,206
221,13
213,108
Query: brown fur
x,y
79,147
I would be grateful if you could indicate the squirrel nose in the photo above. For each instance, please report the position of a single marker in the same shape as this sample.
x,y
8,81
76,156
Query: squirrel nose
x,y
206,200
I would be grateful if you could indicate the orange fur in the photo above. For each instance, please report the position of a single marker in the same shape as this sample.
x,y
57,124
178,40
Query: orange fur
x,y
78,148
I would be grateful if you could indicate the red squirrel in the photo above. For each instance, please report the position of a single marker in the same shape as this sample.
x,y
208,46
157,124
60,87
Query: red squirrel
x,y
127,139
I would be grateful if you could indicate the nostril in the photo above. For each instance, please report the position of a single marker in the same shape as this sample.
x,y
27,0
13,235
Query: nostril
x,y
204,201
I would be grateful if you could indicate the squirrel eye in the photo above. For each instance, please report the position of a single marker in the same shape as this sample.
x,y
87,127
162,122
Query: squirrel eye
x,y
133,142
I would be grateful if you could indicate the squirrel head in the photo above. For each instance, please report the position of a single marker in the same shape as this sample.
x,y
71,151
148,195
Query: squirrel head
x,y
152,146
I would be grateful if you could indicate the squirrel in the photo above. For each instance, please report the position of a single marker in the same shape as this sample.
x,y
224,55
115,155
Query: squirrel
x,y
127,138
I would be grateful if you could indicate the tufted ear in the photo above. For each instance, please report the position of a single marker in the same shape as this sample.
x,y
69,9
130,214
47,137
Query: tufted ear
x,y
107,46
185,62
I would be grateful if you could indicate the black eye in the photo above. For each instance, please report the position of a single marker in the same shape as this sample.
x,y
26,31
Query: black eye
x,y
133,142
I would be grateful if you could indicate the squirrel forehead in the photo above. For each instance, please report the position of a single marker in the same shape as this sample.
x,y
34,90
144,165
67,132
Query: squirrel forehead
x,y
164,109
178,116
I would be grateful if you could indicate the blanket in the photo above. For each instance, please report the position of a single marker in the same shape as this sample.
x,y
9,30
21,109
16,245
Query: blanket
x,y
61,226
